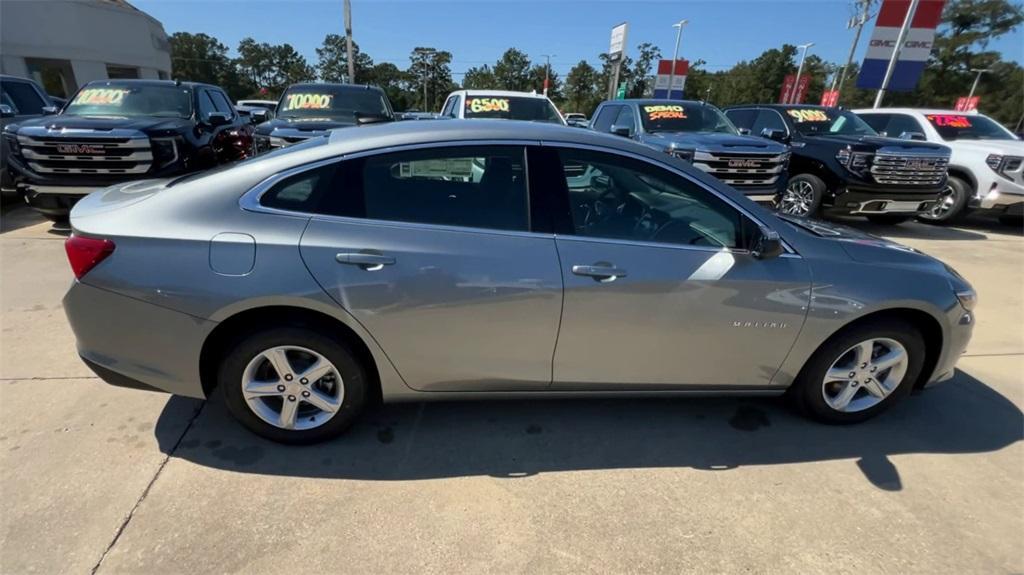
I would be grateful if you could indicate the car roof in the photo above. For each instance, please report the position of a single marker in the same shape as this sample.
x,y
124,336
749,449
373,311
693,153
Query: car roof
x,y
132,81
336,85
507,93
915,111
656,101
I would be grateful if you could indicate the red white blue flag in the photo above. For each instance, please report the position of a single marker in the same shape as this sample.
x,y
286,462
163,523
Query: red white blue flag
x,y
916,47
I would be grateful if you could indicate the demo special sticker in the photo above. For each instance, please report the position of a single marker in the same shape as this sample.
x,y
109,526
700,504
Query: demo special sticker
x,y
101,96
481,105
665,112
808,115
307,101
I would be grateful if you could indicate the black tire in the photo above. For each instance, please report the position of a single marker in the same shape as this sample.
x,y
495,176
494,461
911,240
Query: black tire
x,y
1014,221
807,392
952,204
353,379
56,218
803,196
888,219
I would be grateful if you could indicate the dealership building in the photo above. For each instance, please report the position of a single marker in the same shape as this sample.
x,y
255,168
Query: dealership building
x,y
63,44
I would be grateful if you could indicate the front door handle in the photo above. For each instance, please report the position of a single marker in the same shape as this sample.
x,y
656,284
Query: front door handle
x,y
600,271
370,262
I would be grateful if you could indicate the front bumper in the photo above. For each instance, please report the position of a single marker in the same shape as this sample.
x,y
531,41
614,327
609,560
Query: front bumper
x,y
959,336
882,201
1002,196
128,342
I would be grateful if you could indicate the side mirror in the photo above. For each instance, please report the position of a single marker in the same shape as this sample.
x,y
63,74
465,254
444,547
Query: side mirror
x,y
744,131
50,110
777,135
258,116
624,131
913,136
769,245
218,119
6,111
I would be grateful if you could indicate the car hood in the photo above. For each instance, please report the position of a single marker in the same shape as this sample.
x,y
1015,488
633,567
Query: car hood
x,y
144,124
891,145
864,247
714,141
304,124
1001,147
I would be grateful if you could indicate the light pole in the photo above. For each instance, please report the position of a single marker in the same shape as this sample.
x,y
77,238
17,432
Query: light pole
x,y
426,72
348,43
547,70
977,78
795,92
675,53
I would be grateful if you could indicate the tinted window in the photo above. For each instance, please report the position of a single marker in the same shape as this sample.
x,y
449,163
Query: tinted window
x,y
206,105
481,187
220,101
627,118
812,121
605,118
511,108
675,116
298,193
878,122
621,198
332,101
125,99
23,98
742,118
769,119
960,127
447,109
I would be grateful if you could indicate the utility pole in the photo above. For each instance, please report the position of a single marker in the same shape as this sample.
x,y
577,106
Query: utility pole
x,y
857,22
974,86
675,53
896,52
426,73
348,42
795,92
547,70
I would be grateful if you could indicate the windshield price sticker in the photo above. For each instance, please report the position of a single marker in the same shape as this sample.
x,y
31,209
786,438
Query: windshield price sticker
x,y
949,121
665,112
808,115
101,97
308,101
477,105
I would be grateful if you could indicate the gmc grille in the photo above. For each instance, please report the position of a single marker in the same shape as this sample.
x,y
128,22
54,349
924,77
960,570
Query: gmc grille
x,y
742,170
909,170
85,151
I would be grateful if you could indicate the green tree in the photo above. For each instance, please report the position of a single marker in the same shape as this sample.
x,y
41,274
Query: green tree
x,y
512,71
643,81
554,82
582,92
432,68
201,58
393,81
332,64
608,70
479,78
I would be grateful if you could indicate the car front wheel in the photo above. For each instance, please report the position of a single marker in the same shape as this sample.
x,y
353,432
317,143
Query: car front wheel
x,y
860,372
951,205
803,196
293,385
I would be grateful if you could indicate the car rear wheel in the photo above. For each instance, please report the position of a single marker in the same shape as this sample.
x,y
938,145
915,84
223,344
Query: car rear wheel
x,y
803,196
888,219
951,204
860,372
293,385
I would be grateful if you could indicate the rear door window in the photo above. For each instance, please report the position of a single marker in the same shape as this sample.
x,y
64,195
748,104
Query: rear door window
x,y
23,98
768,119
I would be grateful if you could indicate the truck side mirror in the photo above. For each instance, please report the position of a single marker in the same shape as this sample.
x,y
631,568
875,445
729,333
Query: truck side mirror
x,y
50,110
777,135
218,119
258,116
913,136
6,111
622,130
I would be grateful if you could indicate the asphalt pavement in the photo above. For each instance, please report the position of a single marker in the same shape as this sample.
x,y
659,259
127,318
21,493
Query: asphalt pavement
x,y
98,479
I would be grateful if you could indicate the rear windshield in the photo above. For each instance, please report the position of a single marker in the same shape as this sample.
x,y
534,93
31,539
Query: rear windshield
x,y
131,100
684,117
958,127
511,108
814,121
333,103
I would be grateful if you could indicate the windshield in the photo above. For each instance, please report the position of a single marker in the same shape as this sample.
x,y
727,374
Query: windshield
x,y
814,121
685,117
332,102
512,108
130,100
956,127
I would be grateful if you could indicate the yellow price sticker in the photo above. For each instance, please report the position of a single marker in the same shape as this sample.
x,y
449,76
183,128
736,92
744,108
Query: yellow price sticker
x,y
665,112
808,115
101,97
307,101
478,105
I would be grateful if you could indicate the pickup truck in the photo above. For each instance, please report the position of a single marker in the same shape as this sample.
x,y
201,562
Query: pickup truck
x,y
699,133
116,131
986,170
311,110
841,166
501,105
20,99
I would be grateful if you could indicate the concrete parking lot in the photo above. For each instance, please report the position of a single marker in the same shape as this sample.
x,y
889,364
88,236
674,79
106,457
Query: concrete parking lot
x,y
100,479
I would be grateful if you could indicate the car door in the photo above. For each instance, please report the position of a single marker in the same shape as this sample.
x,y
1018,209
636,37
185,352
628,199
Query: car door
x,y
431,251
661,289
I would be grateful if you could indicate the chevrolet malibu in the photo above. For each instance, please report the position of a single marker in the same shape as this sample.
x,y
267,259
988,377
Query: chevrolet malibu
x,y
492,259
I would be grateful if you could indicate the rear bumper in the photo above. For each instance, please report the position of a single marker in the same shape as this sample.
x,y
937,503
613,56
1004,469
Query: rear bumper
x,y
131,343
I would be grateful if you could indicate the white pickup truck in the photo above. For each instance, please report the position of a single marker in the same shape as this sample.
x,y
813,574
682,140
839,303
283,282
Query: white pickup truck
x,y
501,104
986,170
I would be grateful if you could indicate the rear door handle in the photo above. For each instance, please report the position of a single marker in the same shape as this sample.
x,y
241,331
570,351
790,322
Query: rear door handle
x,y
368,261
601,272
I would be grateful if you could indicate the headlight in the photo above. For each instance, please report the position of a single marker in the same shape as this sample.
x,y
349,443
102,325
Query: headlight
x,y
165,151
12,144
685,155
994,161
857,162
968,299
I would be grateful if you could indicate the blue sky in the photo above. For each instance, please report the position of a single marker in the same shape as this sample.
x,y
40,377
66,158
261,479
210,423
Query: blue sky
x,y
721,32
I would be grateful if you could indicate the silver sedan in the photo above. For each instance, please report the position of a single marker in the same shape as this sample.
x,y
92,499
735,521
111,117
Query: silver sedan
x,y
489,259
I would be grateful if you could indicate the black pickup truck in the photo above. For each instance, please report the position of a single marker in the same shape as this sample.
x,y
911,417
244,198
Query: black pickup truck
x,y
311,110
115,131
841,166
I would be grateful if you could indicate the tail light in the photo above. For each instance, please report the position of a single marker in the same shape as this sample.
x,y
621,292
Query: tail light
x,y
85,253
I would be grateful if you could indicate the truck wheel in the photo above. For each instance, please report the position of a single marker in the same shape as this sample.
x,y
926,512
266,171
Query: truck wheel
x,y
951,204
888,219
803,196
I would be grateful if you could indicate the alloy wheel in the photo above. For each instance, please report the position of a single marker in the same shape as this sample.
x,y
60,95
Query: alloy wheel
x,y
864,375
797,199
941,208
292,387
